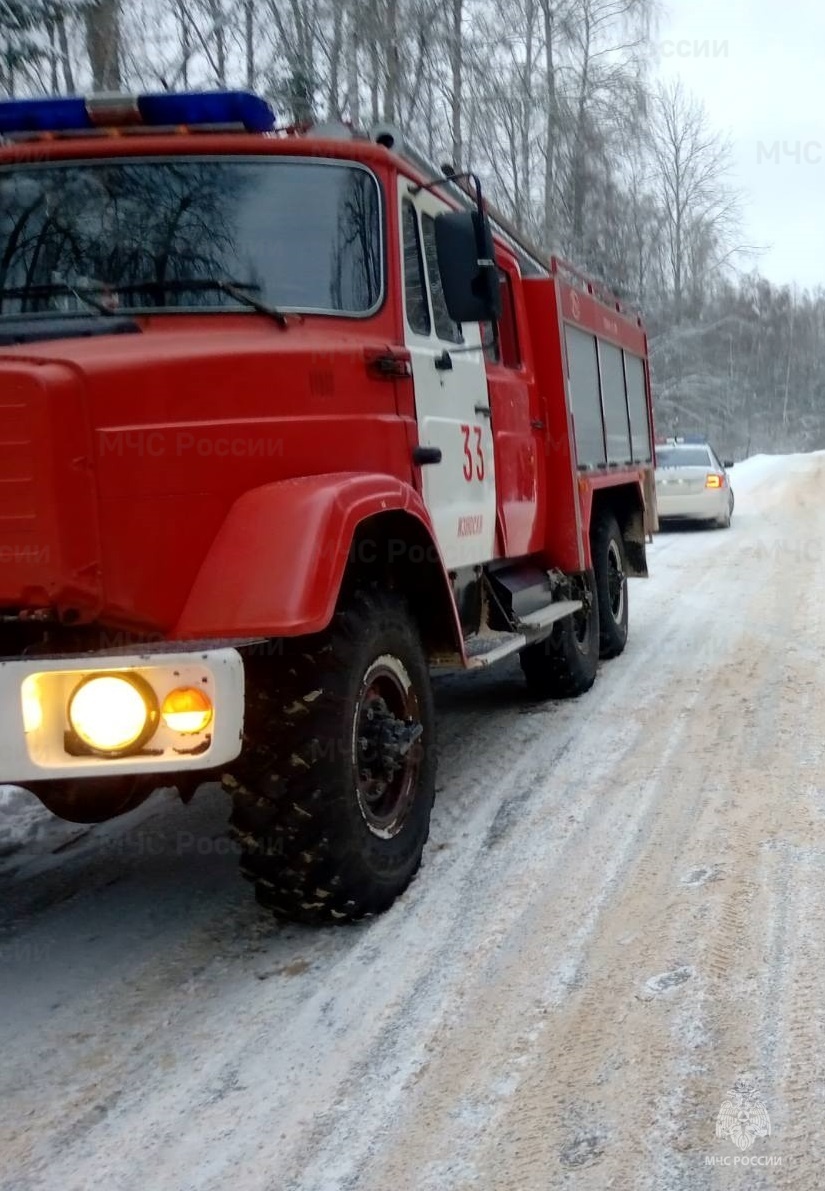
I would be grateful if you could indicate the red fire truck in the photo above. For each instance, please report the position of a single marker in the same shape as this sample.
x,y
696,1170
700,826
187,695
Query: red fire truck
x,y
287,421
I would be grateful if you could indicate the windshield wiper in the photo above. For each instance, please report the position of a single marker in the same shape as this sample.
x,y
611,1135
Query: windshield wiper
x,y
84,293
91,296
235,289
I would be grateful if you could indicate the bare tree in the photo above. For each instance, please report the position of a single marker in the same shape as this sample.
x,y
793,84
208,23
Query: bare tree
x,y
608,38
550,101
691,164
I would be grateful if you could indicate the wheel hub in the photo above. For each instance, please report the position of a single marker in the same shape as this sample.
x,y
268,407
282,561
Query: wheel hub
x,y
387,747
615,581
385,741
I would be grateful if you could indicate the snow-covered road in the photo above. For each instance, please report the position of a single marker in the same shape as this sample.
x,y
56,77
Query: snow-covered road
x,y
621,914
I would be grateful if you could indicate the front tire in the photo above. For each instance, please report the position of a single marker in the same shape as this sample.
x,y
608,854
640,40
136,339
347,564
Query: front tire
x,y
332,797
563,665
609,562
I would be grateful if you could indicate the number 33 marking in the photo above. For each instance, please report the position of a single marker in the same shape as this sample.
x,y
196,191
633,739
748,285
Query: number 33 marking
x,y
473,465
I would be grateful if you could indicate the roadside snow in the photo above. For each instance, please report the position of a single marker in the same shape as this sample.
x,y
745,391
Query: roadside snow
x,y
760,469
24,822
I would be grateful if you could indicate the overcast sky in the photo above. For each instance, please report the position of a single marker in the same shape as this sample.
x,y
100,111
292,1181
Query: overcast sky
x,y
761,77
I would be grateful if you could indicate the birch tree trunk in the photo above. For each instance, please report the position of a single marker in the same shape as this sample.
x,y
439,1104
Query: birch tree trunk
x,y
102,22
333,88
249,43
392,57
65,55
457,90
353,79
551,121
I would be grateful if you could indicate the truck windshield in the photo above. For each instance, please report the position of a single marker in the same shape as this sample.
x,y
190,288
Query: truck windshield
x,y
296,235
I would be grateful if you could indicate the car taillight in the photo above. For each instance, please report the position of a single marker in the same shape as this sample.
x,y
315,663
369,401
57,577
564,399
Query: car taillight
x,y
715,481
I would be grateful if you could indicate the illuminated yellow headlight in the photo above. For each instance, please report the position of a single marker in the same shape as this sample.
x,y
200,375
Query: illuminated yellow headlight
x,y
113,713
187,709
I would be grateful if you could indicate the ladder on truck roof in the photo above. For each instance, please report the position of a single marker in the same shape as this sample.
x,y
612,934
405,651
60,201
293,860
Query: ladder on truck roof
x,y
533,261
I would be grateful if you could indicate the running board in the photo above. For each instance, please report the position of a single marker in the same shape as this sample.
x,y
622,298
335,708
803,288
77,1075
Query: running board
x,y
549,615
487,650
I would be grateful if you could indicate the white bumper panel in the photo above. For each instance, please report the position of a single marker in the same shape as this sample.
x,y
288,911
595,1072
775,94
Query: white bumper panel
x,y
39,753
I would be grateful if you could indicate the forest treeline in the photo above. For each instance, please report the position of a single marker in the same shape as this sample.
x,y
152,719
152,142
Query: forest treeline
x,y
556,104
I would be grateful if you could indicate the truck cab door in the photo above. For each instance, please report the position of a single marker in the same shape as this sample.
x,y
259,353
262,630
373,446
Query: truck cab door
x,y
518,422
451,397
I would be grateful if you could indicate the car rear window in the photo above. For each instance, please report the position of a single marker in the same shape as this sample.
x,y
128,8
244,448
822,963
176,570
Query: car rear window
x,y
683,457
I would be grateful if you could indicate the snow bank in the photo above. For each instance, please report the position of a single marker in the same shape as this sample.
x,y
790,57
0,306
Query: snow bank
x,y
752,473
23,820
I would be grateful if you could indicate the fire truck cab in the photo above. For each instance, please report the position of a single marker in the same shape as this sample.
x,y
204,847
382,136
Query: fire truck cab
x,y
289,420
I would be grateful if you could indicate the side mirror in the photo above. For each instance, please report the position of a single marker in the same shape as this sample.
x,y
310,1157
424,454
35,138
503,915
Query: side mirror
x,y
727,464
466,262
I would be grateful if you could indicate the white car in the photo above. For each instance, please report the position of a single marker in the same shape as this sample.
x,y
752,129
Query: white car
x,y
692,484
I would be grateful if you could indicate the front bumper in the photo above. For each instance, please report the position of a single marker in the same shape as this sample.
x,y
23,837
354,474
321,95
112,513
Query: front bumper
x,y
711,504
34,733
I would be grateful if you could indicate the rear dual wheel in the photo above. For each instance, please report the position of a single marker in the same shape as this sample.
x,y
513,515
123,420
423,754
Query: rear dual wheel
x,y
564,665
610,565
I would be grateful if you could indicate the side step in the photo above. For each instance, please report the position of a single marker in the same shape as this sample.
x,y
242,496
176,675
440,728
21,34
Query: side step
x,y
549,615
489,648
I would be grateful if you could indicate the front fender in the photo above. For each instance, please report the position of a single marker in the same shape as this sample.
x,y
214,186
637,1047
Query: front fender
x,y
277,563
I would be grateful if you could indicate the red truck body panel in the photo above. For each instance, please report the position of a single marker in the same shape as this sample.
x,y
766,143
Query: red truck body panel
x,y
551,304
316,519
49,535
168,430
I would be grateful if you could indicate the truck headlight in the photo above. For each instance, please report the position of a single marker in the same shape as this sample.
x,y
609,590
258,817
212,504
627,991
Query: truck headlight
x,y
113,714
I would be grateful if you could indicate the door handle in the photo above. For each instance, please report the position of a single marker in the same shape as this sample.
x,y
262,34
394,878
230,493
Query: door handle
x,y
484,411
388,363
424,455
444,362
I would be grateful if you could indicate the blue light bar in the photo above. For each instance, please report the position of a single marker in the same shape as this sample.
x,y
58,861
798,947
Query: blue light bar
x,y
43,115
208,107
163,110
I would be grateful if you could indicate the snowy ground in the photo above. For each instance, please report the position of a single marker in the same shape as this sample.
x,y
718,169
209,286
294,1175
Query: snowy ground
x,y
621,912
